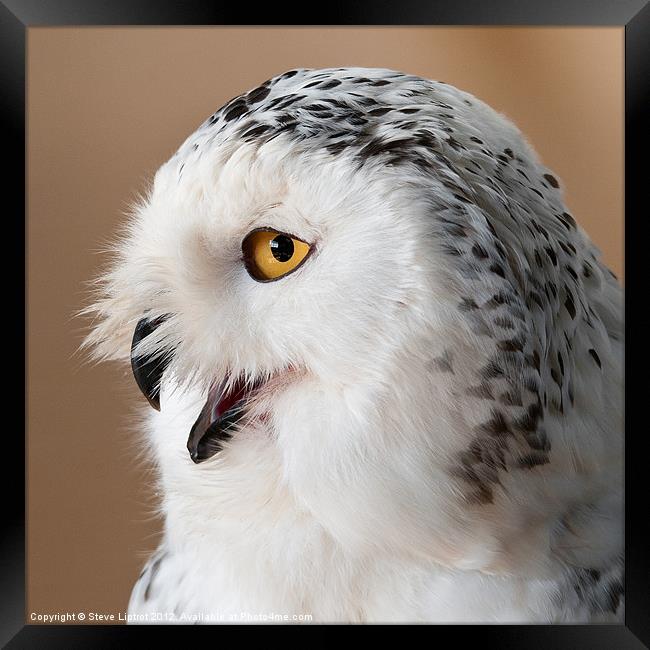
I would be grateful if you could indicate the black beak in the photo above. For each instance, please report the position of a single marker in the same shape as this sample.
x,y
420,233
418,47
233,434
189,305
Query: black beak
x,y
148,371
212,428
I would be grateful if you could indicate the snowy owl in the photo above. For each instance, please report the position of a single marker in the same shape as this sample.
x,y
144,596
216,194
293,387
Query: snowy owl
x,y
384,361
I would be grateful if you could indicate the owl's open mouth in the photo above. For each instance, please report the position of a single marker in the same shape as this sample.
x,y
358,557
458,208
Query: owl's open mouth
x,y
224,407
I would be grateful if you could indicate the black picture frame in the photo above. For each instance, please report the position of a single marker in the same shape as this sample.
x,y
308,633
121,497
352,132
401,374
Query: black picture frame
x,y
17,16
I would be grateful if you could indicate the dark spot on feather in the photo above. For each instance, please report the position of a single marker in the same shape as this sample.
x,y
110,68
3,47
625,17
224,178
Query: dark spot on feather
x,y
256,131
538,440
456,230
482,496
505,323
570,306
530,420
533,460
443,363
614,591
556,378
346,107
491,227
534,360
483,391
498,269
546,293
570,219
333,83
354,118
152,574
467,304
595,357
511,345
594,574
479,252
451,250
257,95
552,180
511,398
454,144
237,110
540,229
466,472
337,147
286,127
497,299
500,249
491,371
496,425
316,108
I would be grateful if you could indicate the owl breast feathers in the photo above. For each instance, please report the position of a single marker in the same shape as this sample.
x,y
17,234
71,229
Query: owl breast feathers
x,y
385,364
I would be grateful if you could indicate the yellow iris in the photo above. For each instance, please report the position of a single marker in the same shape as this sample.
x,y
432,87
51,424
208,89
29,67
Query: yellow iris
x,y
270,255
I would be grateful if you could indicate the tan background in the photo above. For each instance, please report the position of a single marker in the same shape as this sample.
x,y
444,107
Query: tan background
x,y
107,106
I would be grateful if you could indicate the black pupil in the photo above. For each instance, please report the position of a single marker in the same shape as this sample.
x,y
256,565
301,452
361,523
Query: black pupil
x,y
282,248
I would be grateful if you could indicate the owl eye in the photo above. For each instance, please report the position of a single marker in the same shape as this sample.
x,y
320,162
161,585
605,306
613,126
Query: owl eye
x,y
270,255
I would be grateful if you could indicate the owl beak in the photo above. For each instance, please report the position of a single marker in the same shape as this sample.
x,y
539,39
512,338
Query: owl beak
x,y
147,370
210,430
222,410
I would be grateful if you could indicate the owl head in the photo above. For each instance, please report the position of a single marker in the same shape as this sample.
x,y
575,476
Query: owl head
x,y
325,296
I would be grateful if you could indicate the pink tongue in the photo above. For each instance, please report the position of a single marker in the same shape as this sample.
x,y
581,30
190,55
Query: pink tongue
x,y
230,398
